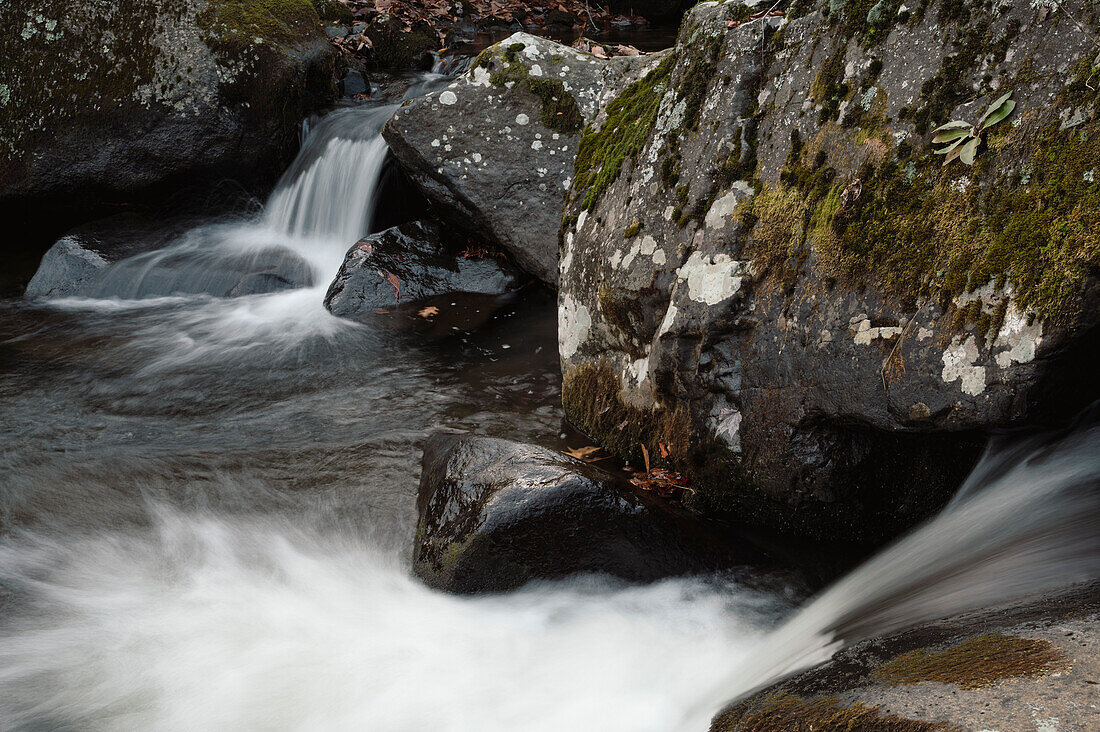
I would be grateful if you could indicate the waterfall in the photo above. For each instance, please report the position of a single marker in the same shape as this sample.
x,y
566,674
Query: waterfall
x,y
1024,523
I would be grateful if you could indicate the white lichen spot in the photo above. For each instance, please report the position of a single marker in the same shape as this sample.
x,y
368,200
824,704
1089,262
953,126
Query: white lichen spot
x,y
435,143
536,144
574,322
535,70
924,334
723,208
659,257
476,157
666,324
581,218
712,280
448,97
638,370
960,364
480,77
1021,338
522,119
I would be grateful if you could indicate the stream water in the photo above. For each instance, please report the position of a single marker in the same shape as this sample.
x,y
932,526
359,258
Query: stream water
x,y
206,508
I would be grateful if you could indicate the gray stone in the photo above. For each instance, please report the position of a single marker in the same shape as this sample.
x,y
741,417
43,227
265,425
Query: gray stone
x,y
708,300
417,257
482,150
109,99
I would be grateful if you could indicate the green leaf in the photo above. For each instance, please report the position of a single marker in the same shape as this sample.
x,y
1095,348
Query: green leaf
x,y
948,135
952,146
955,124
1003,111
969,150
993,108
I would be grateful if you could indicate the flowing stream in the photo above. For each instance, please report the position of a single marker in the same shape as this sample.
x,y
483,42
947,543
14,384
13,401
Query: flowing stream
x,y
207,504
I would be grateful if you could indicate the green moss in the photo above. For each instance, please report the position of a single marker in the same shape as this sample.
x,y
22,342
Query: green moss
x,y
633,229
333,11
559,110
916,235
828,88
693,85
975,663
784,711
630,119
591,398
233,25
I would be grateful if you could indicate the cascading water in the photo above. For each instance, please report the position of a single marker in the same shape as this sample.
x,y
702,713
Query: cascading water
x,y
1025,522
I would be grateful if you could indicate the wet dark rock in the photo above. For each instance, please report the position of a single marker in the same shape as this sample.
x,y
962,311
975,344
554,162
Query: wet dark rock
x,y
494,150
113,99
783,285
495,514
415,259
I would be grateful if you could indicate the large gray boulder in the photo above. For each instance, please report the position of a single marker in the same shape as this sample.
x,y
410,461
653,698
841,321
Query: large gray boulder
x,y
109,99
495,514
766,269
407,263
494,150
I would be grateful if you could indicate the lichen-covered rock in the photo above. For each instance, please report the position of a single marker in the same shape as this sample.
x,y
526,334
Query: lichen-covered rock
x,y
495,514
494,150
766,268
101,98
407,263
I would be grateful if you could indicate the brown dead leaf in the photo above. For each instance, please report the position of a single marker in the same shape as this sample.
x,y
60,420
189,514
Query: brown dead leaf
x,y
394,283
586,453
365,246
664,450
428,311
645,454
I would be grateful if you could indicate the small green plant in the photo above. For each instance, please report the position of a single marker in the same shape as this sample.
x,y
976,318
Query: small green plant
x,y
961,139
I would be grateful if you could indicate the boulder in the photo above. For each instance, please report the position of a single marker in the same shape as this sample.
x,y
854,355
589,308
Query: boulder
x,y
495,514
407,263
133,257
1025,665
109,100
494,149
766,269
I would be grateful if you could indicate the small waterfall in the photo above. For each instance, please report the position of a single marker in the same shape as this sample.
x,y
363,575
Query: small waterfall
x,y
326,199
1025,522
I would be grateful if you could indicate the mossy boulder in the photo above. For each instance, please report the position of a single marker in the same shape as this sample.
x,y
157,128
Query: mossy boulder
x,y
494,150
760,247
108,101
495,514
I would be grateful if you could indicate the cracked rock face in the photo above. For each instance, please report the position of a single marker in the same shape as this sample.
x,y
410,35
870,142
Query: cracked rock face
x,y
118,97
494,150
788,291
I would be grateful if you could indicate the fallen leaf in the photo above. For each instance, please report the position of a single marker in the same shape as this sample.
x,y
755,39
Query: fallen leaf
x,y
585,453
664,450
428,311
394,283
645,454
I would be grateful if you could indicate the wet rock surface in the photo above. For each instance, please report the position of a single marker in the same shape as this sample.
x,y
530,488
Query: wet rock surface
x,y
495,514
408,263
766,269
494,150
112,99
133,257
1033,665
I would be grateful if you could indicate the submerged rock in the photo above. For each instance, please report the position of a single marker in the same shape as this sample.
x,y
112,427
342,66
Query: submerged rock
x,y
110,99
407,263
765,268
133,257
1023,666
495,514
494,150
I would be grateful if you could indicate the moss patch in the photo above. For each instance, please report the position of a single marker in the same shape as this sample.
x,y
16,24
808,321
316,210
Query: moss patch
x,y
234,24
560,112
590,395
919,230
974,663
630,119
784,711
